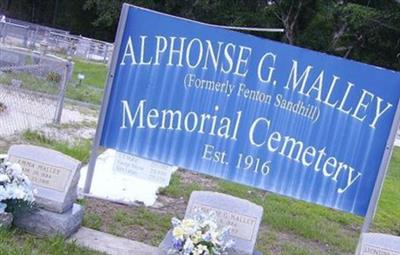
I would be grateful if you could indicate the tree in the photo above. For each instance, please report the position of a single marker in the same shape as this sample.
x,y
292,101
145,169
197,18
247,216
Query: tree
x,y
363,30
290,12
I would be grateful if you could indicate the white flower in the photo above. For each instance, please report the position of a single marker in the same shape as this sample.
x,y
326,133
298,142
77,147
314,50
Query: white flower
x,y
194,236
178,232
200,250
4,178
17,169
15,185
188,245
189,226
188,223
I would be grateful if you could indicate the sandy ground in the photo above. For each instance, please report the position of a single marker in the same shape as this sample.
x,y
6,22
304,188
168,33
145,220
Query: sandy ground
x,y
32,111
23,111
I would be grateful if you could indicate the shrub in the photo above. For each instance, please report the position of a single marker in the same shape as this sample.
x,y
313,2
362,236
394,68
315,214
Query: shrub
x,y
53,77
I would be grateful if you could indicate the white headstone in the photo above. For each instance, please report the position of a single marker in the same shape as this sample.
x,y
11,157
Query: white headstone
x,y
241,215
142,168
54,175
127,179
379,244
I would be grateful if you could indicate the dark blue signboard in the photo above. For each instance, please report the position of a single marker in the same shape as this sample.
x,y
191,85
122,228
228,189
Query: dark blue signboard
x,y
249,110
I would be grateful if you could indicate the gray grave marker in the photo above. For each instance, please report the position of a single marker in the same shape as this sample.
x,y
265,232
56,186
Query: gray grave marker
x,y
380,244
54,175
243,216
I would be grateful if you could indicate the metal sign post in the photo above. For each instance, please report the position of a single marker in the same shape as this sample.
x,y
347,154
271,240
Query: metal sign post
x,y
104,105
373,204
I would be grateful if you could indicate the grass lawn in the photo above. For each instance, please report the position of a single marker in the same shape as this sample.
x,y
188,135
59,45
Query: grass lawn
x,y
79,150
95,73
295,227
89,91
91,88
31,82
288,227
15,242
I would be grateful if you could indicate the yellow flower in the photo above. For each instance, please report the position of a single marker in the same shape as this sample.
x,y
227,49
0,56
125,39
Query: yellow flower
x,y
178,232
188,223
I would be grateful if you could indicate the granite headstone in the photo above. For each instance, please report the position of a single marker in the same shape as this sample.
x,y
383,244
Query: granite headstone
x,y
55,176
379,244
241,215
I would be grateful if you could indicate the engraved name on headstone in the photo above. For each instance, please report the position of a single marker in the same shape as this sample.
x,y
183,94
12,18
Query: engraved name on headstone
x,y
242,226
243,216
54,175
142,168
380,244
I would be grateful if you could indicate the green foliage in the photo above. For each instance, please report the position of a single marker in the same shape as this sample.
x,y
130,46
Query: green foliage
x,y
17,206
388,213
177,188
53,77
79,151
30,82
311,222
92,220
84,93
95,73
367,31
157,224
90,90
19,243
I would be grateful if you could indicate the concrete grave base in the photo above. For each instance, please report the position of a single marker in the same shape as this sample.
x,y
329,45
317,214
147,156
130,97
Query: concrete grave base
x,y
55,176
110,244
45,223
5,220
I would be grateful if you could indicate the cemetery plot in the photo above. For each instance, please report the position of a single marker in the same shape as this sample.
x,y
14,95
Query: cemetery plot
x,y
129,179
30,90
241,215
28,35
24,110
55,177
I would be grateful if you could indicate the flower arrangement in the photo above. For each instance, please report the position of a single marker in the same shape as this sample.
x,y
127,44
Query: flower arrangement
x,y
199,236
16,192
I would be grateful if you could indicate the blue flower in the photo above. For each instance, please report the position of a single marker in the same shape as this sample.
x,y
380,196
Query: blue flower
x,y
178,244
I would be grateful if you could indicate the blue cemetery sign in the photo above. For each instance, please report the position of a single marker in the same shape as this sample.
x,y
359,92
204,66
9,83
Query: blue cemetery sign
x,y
249,110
